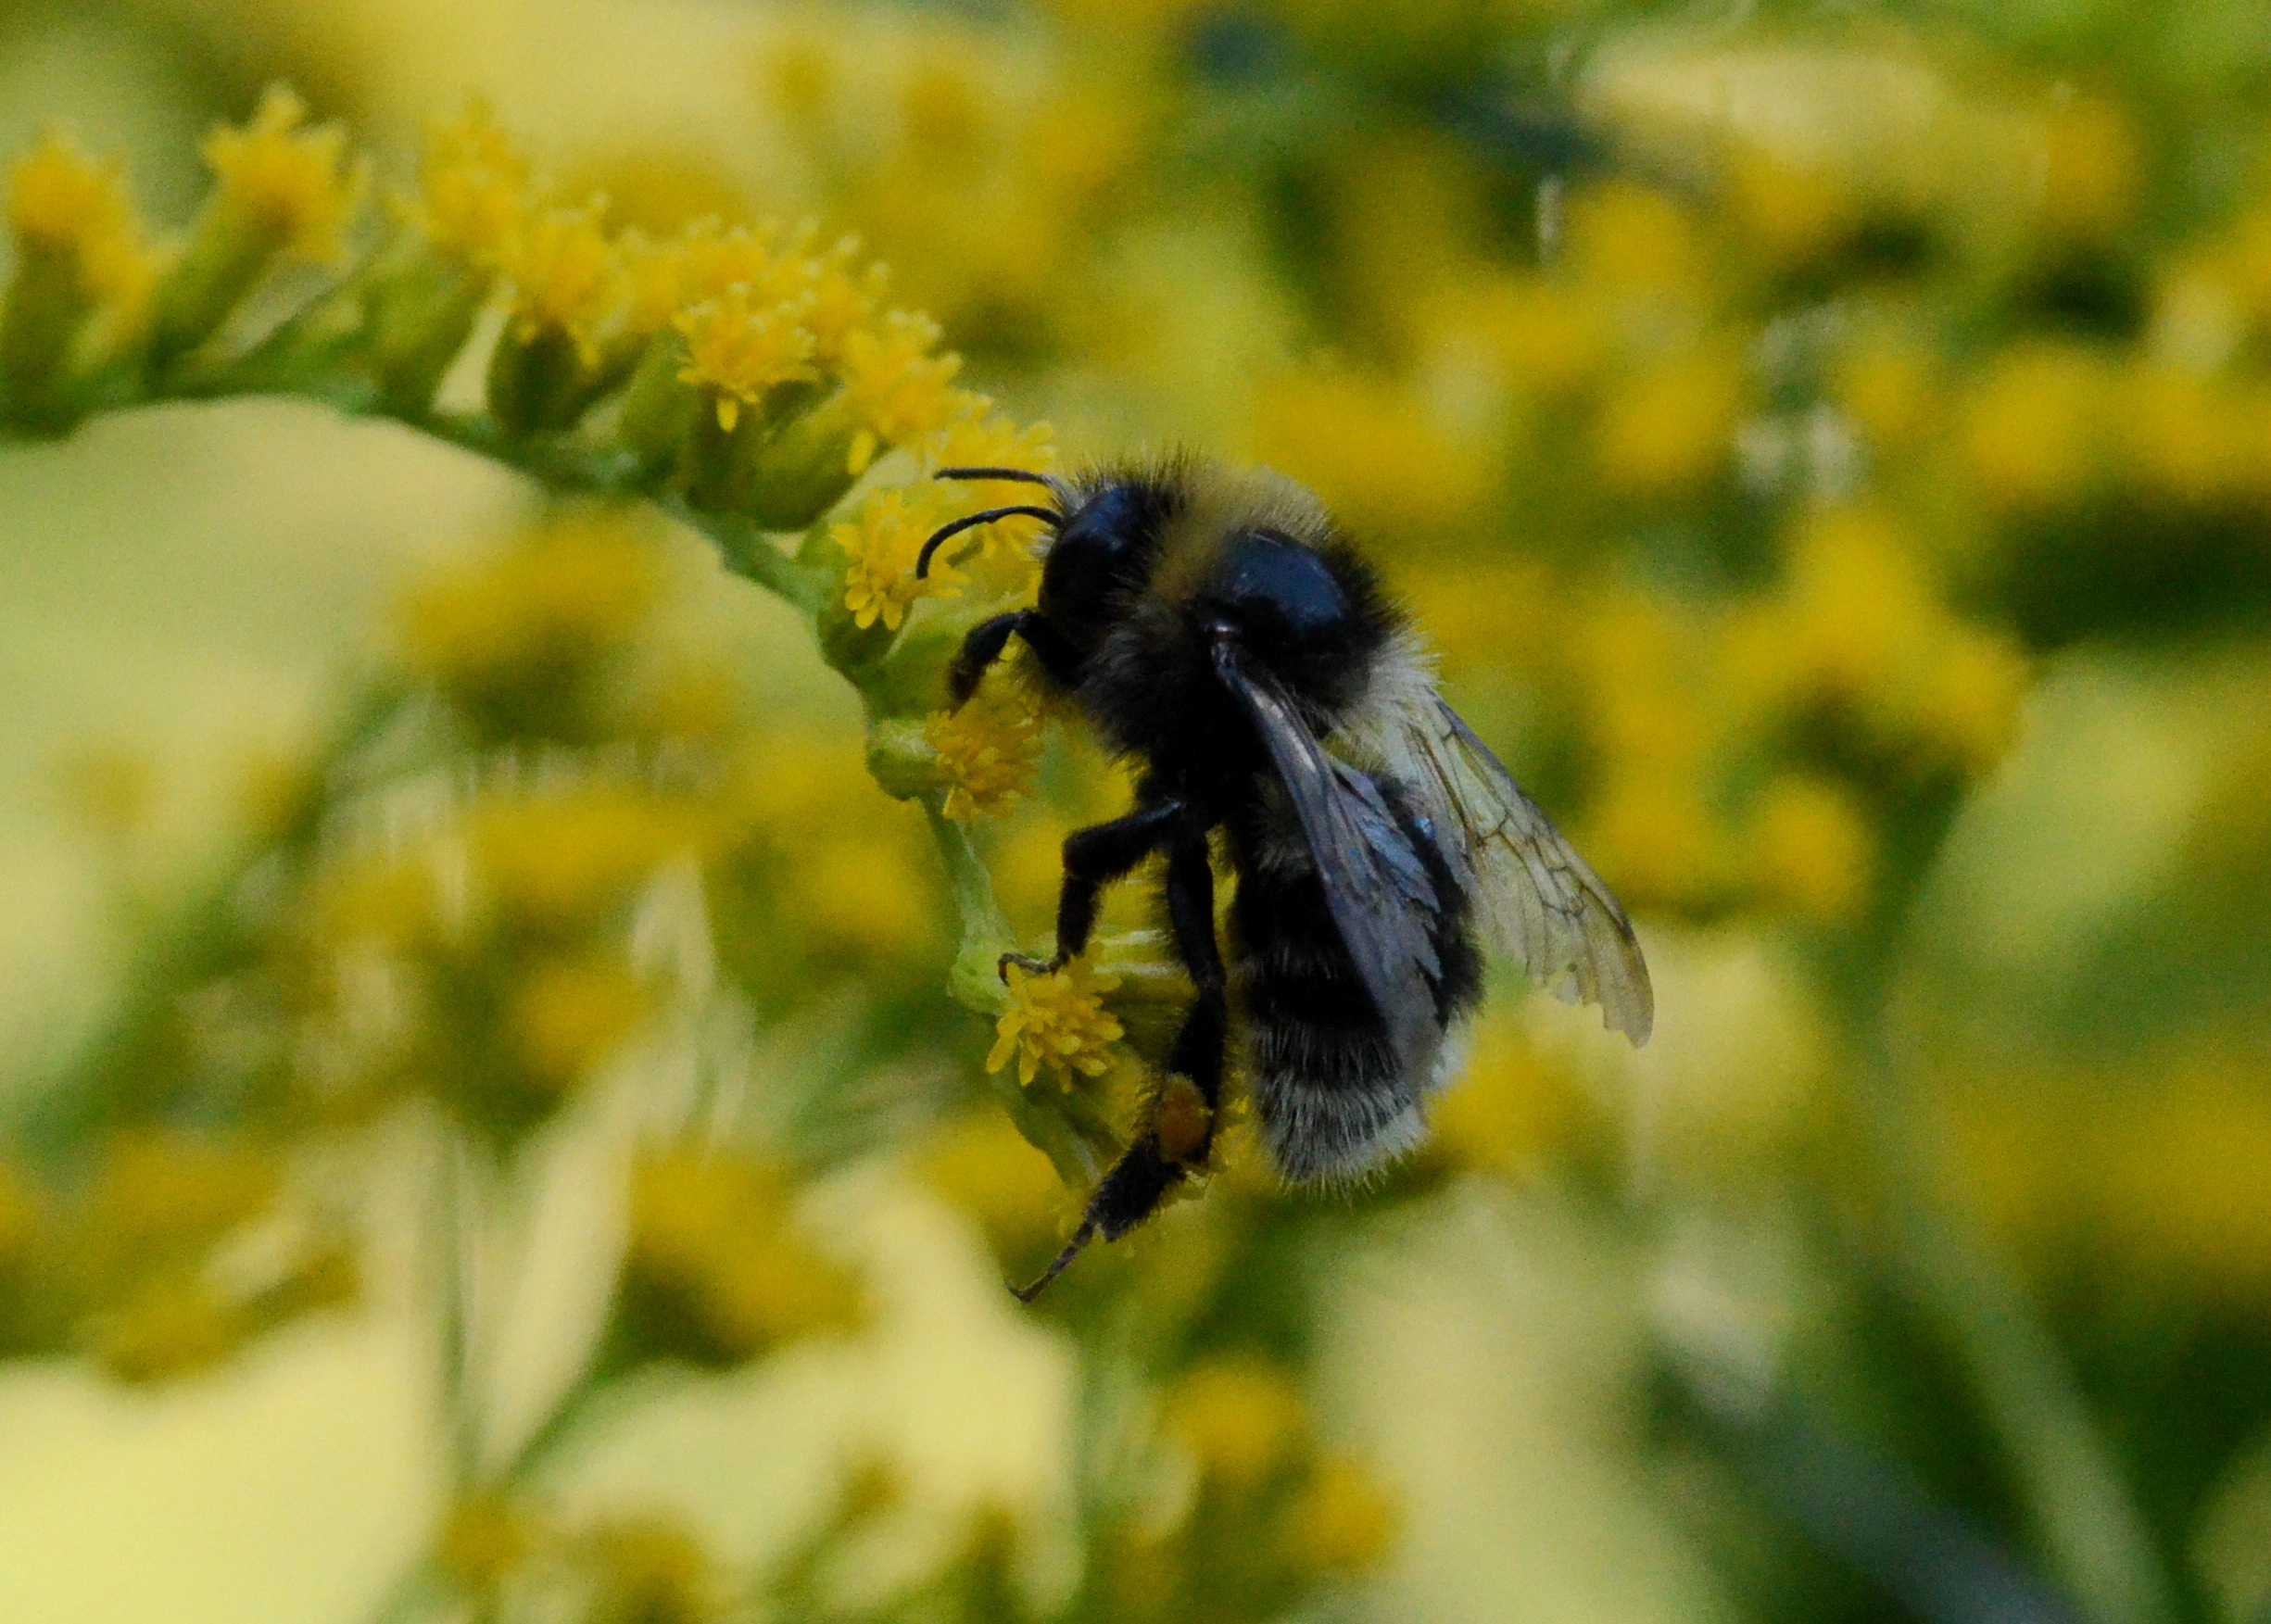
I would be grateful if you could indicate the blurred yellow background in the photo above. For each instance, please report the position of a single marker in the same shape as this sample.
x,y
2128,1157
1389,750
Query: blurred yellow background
x,y
488,1134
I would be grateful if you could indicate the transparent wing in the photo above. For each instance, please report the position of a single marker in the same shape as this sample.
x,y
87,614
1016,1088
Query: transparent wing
x,y
1375,885
1536,900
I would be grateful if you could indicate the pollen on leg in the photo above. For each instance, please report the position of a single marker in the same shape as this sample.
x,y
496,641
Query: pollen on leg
x,y
1184,1123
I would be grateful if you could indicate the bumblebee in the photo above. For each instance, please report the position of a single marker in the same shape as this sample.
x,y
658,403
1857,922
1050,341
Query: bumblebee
x,y
1219,630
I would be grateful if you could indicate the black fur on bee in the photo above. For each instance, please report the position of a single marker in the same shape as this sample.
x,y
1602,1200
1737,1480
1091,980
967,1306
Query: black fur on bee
x,y
1220,633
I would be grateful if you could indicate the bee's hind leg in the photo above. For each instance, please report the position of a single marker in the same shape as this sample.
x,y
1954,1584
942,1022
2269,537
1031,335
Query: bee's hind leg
x,y
1176,1140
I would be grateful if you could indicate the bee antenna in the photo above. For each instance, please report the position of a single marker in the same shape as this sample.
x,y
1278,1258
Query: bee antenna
x,y
922,565
1026,474
1081,1238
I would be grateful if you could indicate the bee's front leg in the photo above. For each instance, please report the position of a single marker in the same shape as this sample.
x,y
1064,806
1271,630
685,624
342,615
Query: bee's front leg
x,y
1095,857
989,639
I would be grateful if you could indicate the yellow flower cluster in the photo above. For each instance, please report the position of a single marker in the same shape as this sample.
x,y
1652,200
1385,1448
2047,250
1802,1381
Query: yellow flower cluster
x,y
566,277
740,348
288,182
472,183
64,206
989,750
718,1271
882,541
1057,1024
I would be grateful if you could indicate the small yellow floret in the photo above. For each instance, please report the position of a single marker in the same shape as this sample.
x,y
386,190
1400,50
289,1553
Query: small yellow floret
x,y
989,750
1816,853
844,297
565,274
740,347
1057,1023
293,182
62,203
719,1271
883,542
472,188
570,1014
897,389
1344,1522
1242,1419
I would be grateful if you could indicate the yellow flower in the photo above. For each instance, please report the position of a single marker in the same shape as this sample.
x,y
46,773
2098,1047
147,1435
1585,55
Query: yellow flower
x,y
293,182
157,1190
483,1538
739,347
1373,450
1342,1522
2036,424
2092,173
473,187
646,1571
516,639
982,438
554,861
717,1271
883,542
897,389
843,297
1241,1418
568,1014
1815,851
66,205
565,274
169,1328
1670,426
989,750
1795,215
1057,1023
1889,391
655,278
1508,1108
985,1167
1003,564
1631,240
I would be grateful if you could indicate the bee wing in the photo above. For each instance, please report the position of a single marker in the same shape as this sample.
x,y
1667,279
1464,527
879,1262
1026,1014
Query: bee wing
x,y
1375,885
1537,901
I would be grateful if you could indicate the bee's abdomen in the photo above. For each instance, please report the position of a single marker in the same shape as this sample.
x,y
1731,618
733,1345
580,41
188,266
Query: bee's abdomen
x,y
1333,1098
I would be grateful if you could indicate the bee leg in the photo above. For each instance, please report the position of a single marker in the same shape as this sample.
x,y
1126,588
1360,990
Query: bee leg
x,y
1182,1129
1095,857
986,641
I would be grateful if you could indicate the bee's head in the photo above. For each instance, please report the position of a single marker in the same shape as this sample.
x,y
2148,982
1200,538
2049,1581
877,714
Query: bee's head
x,y
1106,535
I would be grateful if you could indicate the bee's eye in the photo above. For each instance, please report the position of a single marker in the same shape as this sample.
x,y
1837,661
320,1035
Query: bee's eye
x,y
1099,553
1272,582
